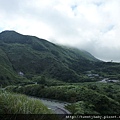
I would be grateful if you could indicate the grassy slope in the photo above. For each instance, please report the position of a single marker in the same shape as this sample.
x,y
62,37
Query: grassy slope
x,y
11,103
7,74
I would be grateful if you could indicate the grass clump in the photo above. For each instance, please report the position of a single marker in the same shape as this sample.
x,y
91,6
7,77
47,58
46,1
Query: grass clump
x,y
11,103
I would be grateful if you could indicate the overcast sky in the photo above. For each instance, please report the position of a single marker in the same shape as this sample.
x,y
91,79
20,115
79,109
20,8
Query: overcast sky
x,y
92,25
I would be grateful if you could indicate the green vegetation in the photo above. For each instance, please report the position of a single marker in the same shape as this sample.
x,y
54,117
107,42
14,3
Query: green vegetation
x,y
81,107
36,67
6,71
33,56
99,98
38,57
11,103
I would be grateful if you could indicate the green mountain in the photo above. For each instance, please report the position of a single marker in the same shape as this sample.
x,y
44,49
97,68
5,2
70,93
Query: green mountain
x,y
34,56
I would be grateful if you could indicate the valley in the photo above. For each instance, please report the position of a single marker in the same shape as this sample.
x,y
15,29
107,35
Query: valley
x,y
38,68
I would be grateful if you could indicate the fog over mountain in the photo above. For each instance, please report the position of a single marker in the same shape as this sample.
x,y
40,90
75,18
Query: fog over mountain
x,y
92,25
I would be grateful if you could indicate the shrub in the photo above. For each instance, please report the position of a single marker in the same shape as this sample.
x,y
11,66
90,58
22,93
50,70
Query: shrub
x,y
11,103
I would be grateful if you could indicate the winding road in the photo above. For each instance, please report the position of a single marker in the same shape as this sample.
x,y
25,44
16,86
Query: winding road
x,y
55,106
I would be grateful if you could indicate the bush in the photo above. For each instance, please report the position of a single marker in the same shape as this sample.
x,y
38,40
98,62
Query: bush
x,y
11,103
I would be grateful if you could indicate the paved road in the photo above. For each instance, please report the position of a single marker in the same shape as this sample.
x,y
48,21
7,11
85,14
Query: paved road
x,y
56,107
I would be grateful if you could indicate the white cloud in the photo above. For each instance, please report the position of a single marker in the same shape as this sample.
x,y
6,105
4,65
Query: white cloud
x,y
88,24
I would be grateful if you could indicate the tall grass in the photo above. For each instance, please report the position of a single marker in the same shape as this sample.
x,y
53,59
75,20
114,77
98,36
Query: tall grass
x,y
11,103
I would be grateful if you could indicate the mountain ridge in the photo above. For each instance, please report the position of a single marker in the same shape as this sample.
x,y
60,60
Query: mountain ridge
x,y
7,34
35,56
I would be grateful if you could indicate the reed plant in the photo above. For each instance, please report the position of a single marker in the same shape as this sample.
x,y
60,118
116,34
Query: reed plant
x,y
11,103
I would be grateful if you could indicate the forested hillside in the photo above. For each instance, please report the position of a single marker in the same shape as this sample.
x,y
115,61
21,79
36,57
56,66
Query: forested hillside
x,y
34,56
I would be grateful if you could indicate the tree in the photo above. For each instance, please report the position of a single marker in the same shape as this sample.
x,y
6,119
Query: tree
x,y
42,80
